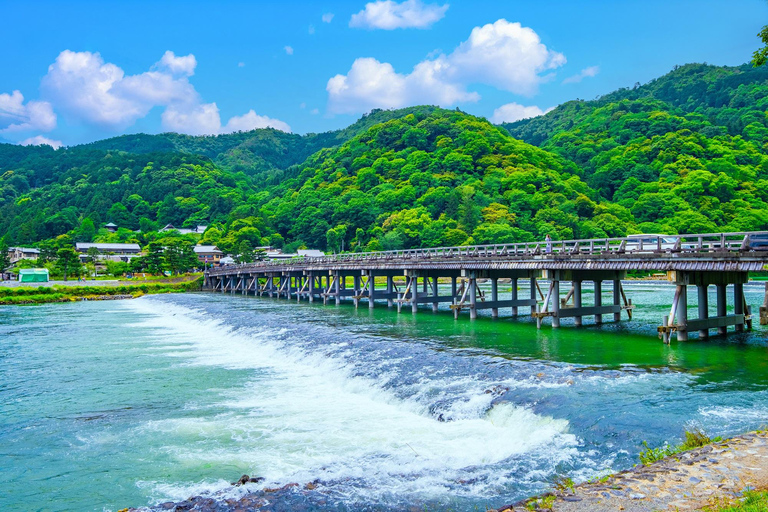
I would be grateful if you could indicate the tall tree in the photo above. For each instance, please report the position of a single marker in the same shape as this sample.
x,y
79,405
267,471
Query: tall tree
x,y
68,262
760,57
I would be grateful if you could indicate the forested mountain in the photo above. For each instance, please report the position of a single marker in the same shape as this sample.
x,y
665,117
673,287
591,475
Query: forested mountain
x,y
684,153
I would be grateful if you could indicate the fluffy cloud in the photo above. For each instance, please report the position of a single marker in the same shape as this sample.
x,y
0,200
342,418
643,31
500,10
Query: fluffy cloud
x,y
502,54
178,65
512,112
89,90
15,116
251,120
584,73
327,17
205,119
39,140
389,15
288,50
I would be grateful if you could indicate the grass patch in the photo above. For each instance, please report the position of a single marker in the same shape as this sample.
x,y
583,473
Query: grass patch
x,y
693,439
752,501
545,503
45,294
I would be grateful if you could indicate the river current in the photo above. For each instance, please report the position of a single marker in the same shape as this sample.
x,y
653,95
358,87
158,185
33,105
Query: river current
x,y
105,405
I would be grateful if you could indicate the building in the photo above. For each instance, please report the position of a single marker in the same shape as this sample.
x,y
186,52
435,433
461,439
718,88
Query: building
x,y
22,253
198,230
310,253
111,227
208,254
114,252
33,275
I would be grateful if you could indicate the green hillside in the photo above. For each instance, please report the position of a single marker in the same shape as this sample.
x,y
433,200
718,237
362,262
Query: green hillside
x,y
684,153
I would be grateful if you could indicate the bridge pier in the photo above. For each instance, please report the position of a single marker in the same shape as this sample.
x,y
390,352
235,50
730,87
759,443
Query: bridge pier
x,y
678,321
560,308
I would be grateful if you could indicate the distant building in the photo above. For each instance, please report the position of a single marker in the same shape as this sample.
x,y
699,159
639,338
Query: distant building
x,y
114,252
310,253
111,227
208,254
22,253
196,230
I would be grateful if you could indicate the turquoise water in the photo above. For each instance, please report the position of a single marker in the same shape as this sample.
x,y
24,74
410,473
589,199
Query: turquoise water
x,y
105,405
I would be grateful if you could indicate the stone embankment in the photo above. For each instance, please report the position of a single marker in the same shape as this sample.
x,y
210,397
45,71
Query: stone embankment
x,y
717,473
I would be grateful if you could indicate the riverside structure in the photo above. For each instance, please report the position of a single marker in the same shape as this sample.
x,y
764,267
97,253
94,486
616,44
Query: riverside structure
x,y
718,259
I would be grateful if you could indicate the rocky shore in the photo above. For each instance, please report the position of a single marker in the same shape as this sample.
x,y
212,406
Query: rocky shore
x,y
709,476
718,473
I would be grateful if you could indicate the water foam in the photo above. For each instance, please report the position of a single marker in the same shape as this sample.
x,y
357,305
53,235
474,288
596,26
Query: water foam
x,y
303,414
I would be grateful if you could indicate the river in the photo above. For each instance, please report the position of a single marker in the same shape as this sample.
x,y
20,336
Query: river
x,y
105,405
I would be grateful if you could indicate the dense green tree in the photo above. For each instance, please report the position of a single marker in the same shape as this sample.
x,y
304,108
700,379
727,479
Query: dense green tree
x,y
68,263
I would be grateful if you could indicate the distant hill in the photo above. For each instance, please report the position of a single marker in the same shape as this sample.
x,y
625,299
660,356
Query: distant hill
x,y
687,152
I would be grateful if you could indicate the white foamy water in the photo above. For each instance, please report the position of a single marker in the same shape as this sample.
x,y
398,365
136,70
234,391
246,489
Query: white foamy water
x,y
303,414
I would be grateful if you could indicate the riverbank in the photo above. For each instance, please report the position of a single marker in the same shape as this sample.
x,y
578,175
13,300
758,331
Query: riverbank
x,y
72,292
714,477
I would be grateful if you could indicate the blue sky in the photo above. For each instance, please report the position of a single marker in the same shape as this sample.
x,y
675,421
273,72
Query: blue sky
x,y
91,70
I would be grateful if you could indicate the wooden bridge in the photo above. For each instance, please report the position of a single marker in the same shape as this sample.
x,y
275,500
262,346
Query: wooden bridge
x,y
718,259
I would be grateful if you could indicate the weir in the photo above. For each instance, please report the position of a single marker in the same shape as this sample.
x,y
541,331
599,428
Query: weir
x,y
454,275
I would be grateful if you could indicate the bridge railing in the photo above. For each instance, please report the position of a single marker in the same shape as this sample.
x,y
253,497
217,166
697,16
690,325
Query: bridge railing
x,y
707,243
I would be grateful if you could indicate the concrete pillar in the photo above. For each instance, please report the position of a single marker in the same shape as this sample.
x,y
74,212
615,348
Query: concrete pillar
x,y
434,294
556,303
721,306
371,289
577,300
414,294
682,314
514,295
390,289
598,301
533,295
703,305
337,289
453,289
494,296
472,297
617,299
738,303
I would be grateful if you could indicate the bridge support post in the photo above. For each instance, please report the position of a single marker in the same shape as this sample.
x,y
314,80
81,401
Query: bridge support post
x,y
738,303
514,295
494,296
414,294
555,303
534,307
390,289
682,314
371,289
356,284
472,296
337,288
434,294
598,300
311,277
577,301
703,299
721,306
617,299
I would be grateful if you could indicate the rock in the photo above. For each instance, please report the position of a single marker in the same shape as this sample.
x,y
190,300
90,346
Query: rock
x,y
256,479
637,496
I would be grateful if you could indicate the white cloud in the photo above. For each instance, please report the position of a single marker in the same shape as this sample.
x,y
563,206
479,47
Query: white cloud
x,y
178,65
311,29
241,64
90,90
584,73
314,111
512,112
200,119
15,116
389,15
86,88
39,140
251,121
288,50
327,17
502,54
